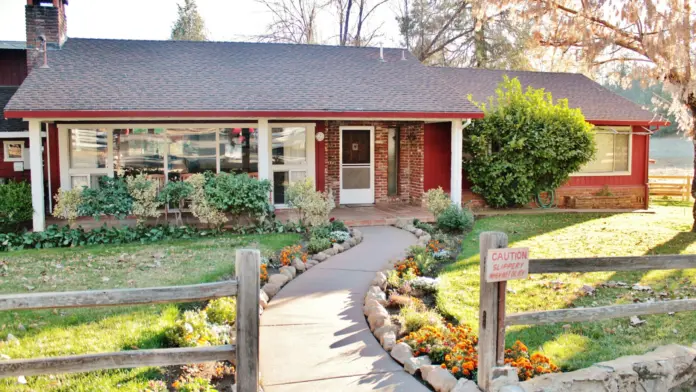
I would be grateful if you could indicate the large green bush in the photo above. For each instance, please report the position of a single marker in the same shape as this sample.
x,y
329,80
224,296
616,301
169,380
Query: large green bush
x,y
68,204
313,207
455,220
144,193
175,193
201,206
239,194
110,198
15,205
524,144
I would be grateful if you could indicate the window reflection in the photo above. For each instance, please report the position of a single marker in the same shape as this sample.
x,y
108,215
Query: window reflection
x,y
191,151
88,148
289,146
239,150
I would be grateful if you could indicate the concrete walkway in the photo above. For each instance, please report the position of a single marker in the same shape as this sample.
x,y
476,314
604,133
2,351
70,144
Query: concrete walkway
x,y
314,336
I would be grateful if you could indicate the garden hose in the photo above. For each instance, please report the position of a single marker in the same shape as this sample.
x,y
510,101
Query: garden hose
x,y
549,203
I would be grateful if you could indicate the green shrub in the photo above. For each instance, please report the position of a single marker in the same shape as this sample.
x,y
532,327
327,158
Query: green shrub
x,y
144,194
322,231
455,220
426,227
222,310
337,225
68,204
393,280
239,194
176,193
312,206
318,244
416,316
525,144
15,205
424,259
193,384
191,330
201,207
111,198
436,200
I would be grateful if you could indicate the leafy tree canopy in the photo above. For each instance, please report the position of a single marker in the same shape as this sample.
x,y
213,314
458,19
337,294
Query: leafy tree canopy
x,y
189,25
525,144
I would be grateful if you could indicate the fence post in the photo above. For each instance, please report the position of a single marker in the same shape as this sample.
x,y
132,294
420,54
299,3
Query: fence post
x,y
247,271
488,310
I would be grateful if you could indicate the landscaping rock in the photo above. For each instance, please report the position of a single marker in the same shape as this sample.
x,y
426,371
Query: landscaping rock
x,y
388,340
299,265
263,303
279,279
401,223
401,353
264,296
339,248
379,332
321,256
378,317
271,289
502,376
346,245
357,234
418,232
312,263
331,252
410,228
380,280
291,269
352,241
440,379
370,304
464,385
414,363
376,294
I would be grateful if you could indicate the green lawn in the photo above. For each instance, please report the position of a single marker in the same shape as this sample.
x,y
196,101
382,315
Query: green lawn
x,y
584,235
91,330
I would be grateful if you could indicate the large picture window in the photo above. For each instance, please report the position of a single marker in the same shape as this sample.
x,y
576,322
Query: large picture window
x,y
613,152
139,150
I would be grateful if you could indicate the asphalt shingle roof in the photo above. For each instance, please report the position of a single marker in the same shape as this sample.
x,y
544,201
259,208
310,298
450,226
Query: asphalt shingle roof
x,y
596,102
13,124
125,75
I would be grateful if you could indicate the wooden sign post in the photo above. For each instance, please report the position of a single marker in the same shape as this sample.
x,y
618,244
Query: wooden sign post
x,y
498,265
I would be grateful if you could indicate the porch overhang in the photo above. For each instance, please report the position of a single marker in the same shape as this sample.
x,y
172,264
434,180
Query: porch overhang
x,y
109,115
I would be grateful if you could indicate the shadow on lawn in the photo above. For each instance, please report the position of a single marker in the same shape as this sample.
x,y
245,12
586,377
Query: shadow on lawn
x,y
603,342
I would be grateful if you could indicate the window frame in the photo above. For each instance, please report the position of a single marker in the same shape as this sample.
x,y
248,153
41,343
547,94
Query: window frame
x,y
603,129
5,150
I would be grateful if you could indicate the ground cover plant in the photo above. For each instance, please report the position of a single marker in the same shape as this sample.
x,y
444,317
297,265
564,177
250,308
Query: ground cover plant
x,y
91,330
578,345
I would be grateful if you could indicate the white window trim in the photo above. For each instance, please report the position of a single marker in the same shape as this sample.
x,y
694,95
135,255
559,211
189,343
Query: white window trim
x,y
309,167
6,145
64,147
626,130
372,158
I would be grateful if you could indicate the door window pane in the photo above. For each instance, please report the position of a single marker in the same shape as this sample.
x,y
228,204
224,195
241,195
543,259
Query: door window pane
x,y
289,145
355,148
139,150
88,148
281,181
239,150
191,151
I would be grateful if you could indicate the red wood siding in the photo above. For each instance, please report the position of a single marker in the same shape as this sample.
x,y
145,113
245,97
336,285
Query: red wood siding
x,y
13,67
437,166
320,157
639,167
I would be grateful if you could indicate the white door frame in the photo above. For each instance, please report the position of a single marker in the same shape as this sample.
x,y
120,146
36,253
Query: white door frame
x,y
352,197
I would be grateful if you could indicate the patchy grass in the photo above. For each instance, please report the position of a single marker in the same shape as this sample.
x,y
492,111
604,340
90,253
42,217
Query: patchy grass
x,y
92,330
584,235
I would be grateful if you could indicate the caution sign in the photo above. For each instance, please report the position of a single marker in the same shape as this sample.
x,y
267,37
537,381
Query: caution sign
x,y
507,264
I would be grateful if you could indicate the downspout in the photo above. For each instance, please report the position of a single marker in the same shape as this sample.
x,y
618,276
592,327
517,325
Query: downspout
x,y
646,203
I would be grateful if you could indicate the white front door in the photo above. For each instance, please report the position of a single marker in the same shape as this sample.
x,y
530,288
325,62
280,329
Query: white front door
x,y
357,165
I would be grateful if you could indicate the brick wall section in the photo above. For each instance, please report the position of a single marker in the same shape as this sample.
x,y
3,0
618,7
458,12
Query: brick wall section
x,y
47,21
410,178
628,197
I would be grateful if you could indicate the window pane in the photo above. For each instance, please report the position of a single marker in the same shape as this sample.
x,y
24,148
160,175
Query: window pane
x,y
289,146
604,158
88,148
621,152
78,181
393,162
191,151
239,150
139,150
280,184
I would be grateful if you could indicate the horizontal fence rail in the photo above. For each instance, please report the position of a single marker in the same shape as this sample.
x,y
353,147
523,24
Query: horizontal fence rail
x,y
599,264
118,297
599,313
117,360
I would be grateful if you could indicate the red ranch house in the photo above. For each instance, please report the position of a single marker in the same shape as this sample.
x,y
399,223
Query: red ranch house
x,y
371,125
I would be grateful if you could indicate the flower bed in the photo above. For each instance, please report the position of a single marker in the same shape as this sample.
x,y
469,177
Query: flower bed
x,y
400,310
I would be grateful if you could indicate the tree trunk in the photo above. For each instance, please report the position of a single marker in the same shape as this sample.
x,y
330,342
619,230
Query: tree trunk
x,y
692,108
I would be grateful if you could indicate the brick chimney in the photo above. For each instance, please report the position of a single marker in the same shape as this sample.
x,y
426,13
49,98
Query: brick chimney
x,y
44,18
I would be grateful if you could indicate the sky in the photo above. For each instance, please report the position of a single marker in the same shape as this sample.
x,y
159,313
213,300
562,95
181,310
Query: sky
x,y
226,20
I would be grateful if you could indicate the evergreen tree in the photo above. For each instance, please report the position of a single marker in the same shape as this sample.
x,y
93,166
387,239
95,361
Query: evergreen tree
x,y
189,25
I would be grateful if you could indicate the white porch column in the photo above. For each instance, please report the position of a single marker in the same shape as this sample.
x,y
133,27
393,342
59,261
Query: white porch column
x,y
456,164
264,150
37,178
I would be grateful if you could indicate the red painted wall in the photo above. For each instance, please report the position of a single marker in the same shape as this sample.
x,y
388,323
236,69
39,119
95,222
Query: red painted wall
x,y
13,67
320,157
437,156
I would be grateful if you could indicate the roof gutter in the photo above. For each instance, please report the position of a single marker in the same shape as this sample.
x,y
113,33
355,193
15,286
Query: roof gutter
x,y
629,122
59,114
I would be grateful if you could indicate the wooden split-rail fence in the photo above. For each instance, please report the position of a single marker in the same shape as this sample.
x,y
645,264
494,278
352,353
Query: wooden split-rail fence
x,y
493,320
679,186
244,354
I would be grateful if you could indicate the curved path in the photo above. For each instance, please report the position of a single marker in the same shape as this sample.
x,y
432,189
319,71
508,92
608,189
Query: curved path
x,y
314,336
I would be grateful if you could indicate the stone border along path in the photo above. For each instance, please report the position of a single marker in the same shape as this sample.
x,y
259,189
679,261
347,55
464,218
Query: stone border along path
x,y
314,336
